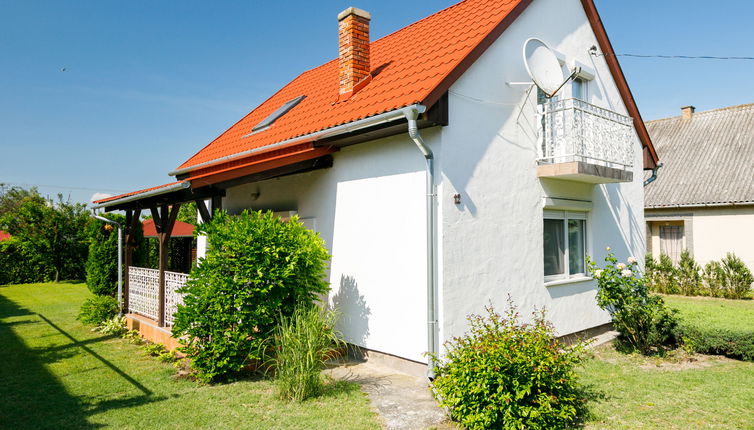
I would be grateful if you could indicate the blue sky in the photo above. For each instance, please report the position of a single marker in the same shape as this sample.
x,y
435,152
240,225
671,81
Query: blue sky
x,y
146,84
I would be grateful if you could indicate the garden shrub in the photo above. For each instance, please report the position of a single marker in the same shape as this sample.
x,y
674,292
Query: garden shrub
x,y
257,269
738,344
15,266
506,374
713,278
729,278
642,320
737,277
689,277
302,344
98,309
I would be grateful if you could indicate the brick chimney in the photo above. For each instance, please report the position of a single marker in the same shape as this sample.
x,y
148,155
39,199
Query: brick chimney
x,y
353,51
687,112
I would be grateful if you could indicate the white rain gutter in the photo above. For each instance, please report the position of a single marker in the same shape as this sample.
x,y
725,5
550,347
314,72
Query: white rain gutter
x,y
412,114
382,118
157,192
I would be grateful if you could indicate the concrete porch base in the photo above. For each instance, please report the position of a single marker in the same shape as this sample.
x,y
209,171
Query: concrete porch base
x,y
149,330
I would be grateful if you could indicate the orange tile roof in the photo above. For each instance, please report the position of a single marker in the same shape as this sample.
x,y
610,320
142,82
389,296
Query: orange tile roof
x,y
4,235
408,67
180,229
133,193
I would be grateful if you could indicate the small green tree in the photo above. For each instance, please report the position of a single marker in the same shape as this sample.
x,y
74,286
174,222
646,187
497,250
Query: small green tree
x,y
258,268
737,277
689,277
50,234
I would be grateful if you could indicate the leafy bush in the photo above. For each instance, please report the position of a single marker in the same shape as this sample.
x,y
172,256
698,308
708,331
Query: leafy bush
x,y
505,374
736,277
302,344
689,277
15,266
713,278
257,268
115,325
98,309
49,233
642,319
155,349
736,344
729,278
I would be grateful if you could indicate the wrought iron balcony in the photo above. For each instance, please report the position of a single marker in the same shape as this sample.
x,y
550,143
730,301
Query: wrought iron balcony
x,y
584,142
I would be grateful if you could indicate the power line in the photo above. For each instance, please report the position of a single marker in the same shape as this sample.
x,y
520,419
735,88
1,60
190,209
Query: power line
x,y
63,187
685,57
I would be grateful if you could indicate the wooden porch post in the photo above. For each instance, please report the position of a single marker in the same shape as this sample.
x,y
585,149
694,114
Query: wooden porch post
x,y
164,221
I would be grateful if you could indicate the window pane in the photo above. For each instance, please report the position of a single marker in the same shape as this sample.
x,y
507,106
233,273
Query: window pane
x,y
576,246
554,247
578,89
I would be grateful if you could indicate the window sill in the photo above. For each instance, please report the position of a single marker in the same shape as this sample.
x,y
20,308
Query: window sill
x,y
568,281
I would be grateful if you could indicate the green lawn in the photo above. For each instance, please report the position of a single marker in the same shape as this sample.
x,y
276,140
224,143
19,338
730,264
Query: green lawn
x,y
681,391
713,312
58,374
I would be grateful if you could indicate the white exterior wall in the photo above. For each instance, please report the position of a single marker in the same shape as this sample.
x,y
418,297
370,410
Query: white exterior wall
x,y
716,231
370,210
369,207
493,239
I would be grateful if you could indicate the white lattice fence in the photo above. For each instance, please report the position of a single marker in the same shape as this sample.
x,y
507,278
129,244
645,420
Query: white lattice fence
x,y
143,291
173,281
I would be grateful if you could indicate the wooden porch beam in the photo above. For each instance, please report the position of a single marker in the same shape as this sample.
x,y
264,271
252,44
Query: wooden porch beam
x,y
167,216
132,223
203,211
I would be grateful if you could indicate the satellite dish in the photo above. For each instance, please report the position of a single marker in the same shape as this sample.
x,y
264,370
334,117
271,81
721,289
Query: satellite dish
x,y
543,66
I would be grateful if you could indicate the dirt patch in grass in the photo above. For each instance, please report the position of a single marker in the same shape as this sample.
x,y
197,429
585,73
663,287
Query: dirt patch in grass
x,y
676,360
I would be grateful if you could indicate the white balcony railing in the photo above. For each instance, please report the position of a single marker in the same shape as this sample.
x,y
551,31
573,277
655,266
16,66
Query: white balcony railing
x,y
574,130
144,292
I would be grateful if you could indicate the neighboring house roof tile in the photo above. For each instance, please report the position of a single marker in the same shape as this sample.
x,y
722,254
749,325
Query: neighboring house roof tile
x,y
708,159
4,235
180,229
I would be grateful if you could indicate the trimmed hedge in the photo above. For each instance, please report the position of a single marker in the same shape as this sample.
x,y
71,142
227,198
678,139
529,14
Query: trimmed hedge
x,y
736,344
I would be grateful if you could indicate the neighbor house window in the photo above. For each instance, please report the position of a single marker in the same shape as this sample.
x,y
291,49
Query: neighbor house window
x,y
564,245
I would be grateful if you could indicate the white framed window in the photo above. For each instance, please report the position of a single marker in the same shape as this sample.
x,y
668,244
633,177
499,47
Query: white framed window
x,y
564,243
580,89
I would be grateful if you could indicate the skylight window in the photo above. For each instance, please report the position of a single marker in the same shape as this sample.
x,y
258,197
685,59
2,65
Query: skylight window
x,y
282,110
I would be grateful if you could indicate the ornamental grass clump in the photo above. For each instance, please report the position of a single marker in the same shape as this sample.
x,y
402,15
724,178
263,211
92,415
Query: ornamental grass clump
x,y
301,345
258,268
505,374
642,320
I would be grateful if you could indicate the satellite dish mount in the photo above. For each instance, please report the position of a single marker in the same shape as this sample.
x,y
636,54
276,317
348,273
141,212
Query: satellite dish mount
x,y
543,67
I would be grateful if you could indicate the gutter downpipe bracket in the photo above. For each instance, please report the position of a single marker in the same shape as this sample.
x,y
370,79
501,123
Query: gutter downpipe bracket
x,y
652,178
412,114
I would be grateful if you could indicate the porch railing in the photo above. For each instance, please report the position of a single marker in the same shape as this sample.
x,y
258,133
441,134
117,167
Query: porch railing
x,y
574,130
144,292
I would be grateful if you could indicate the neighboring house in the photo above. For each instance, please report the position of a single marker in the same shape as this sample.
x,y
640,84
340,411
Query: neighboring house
x,y
703,197
4,235
433,179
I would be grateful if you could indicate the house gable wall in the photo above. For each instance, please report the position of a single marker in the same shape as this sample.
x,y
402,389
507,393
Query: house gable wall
x,y
492,240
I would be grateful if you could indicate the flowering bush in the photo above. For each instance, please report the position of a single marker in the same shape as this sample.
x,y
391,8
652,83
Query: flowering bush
x,y
507,375
642,319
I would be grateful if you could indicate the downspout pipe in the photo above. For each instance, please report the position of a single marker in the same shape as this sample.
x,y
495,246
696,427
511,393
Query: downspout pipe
x,y
412,114
652,178
120,260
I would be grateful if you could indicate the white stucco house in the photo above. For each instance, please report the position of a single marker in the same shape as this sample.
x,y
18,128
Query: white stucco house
x,y
438,175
